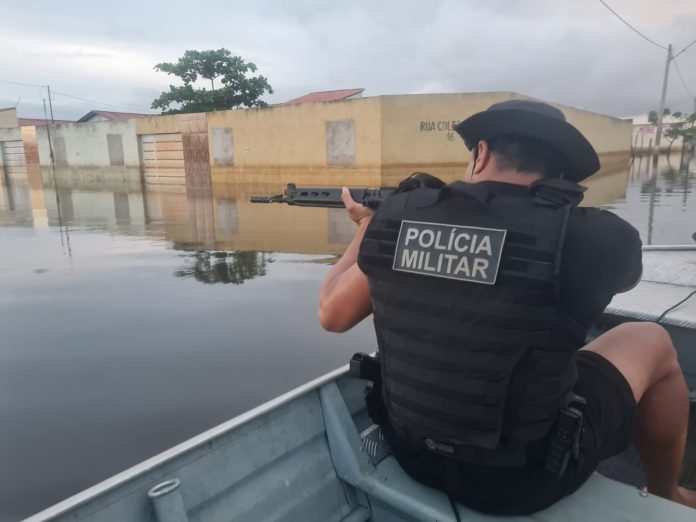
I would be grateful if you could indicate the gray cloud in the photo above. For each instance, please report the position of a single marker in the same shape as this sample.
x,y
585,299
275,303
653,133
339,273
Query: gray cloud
x,y
569,51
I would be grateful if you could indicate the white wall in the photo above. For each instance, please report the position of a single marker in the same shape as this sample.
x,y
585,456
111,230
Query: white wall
x,y
644,137
86,143
10,134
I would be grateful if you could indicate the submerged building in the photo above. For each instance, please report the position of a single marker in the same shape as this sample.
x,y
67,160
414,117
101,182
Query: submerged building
x,y
645,132
334,137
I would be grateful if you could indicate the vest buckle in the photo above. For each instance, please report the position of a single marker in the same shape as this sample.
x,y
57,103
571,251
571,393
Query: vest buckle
x,y
364,366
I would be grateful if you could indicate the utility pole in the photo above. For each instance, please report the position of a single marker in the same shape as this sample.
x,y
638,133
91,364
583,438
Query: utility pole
x,y
50,101
661,112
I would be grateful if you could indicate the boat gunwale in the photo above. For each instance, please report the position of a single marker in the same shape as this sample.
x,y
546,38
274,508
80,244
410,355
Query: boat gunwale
x,y
180,449
661,248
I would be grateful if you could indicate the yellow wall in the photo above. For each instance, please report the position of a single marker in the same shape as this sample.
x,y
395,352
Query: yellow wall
x,y
295,135
158,124
394,136
417,129
280,176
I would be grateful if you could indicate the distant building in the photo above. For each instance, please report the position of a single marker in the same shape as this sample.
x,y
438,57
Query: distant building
x,y
8,118
326,96
644,134
40,122
375,141
93,116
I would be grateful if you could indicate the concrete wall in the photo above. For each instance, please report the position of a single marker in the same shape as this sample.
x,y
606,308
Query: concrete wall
x,y
298,142
365,141
90,144
8,118
418,132
158,124
296,135
10,134
643,138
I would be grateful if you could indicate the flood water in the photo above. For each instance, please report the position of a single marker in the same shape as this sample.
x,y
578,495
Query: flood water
x,y
131,322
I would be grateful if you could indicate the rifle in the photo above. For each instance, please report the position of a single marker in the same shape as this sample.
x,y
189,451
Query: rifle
x,y
325,196
331,196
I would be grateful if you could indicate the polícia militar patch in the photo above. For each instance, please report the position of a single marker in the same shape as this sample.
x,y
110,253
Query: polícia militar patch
x,y
449,251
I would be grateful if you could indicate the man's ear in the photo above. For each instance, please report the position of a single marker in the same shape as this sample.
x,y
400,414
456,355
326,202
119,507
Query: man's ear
x,y
482,155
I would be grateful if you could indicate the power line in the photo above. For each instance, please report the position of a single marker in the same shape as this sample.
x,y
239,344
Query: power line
x,y
676,66
97,102
75,97
685,48
630,26
22,83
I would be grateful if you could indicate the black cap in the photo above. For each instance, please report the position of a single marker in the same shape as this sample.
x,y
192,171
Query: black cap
x,y
537,120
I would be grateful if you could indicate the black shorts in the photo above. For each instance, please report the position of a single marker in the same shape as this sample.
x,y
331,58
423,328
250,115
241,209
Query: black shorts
x,y
609,418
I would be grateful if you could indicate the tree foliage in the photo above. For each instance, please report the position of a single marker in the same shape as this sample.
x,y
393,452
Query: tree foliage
x,y
225,267
652,115
682,125
232,84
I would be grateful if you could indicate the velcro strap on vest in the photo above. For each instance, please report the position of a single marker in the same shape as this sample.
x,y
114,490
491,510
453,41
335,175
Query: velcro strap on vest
x,y
502,457
509,457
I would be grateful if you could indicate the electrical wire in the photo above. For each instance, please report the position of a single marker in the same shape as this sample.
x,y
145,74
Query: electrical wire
x,y
75,97
685,48
662,316
22,83
631,27
97,102
676,66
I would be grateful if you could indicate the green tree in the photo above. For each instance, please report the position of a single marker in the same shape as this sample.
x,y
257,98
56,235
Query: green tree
x,y
225,267
232,84
684,126
652,116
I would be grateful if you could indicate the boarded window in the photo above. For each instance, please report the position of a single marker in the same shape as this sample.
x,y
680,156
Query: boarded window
x,y
115,144
65,205
59,154
223,146
340,143
227,221
122,208
341,228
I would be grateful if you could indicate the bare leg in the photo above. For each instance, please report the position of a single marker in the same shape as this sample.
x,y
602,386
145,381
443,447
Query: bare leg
x,y
645,355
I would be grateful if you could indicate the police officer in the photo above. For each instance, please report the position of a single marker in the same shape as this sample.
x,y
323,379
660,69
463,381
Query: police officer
x,y
482,293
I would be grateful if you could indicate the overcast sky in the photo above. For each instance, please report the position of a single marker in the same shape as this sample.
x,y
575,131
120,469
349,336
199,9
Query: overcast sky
x,y
568,51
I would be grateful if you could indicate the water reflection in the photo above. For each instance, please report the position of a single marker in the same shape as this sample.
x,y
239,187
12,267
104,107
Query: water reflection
x,y
219,217
659,199
225,267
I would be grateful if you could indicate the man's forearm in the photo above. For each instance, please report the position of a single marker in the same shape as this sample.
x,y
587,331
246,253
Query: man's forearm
x,y
347,260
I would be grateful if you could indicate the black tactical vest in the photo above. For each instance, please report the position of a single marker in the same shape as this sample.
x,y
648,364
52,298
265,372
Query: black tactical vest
x,y
484,363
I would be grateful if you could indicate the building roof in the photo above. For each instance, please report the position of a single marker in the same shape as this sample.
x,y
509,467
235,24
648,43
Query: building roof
x,y
39,122
111,115
325,96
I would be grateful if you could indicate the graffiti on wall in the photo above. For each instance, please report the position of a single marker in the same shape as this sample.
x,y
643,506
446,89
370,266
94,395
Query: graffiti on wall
x,y
444,126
